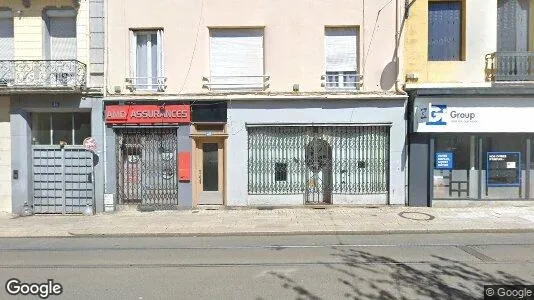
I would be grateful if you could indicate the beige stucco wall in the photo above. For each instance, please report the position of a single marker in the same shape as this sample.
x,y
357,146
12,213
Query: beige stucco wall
x,y
5,156
28,27
293,38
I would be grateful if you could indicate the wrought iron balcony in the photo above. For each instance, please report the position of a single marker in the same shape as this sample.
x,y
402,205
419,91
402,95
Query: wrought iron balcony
x,y
236,83
510,66
42,74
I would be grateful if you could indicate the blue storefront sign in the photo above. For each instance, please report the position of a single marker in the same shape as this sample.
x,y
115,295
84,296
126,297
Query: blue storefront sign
x,y
444,160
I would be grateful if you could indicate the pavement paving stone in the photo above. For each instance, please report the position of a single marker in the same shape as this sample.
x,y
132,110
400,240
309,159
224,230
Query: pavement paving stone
x,y
281,221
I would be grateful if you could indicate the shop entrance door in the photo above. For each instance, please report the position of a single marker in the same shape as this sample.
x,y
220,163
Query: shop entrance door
x,y
147,167
209,168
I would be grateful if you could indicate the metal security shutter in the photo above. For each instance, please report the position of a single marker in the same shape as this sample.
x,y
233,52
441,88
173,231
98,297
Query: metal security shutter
x,y
339,160
62,179
341,46
512,25
236,52
6,36
62,31
444,27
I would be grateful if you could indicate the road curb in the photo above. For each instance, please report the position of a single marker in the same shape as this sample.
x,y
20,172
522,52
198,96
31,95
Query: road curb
x,y
272,233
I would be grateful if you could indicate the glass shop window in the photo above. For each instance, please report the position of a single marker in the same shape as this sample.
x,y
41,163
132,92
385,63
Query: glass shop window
x,y
505,157
54,128
455,167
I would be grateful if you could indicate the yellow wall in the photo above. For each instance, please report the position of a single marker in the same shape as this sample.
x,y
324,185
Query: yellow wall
x,y
28,27
479,31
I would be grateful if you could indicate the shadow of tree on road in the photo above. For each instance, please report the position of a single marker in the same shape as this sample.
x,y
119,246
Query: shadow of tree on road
x,y
363,275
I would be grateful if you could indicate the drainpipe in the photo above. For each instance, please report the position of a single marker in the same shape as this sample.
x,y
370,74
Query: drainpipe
x,y
400,90
398,34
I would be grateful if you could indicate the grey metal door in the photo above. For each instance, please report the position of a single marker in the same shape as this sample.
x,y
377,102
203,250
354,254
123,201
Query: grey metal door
x,y
147,167
62,179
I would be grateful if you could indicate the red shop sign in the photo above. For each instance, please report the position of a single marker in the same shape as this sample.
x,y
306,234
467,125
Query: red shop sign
x,y
148,114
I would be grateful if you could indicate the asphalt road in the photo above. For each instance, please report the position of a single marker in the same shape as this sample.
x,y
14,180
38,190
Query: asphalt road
x,y
444,266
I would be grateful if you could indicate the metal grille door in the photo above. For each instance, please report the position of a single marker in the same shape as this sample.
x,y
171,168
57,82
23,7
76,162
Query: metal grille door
x,y
147,167
318,161
62,179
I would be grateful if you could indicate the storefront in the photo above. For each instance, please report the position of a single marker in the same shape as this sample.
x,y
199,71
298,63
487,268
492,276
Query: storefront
x,y
299,151
471,145
148,154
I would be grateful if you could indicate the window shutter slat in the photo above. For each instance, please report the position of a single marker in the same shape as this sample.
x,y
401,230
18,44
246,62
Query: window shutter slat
x,y
6,39
62,38
236,52
341,49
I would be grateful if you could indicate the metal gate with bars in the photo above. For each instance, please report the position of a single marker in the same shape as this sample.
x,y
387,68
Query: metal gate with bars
x,y
318,161
63,179
147,167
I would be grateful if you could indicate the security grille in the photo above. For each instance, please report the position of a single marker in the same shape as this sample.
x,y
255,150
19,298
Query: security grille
x,y
318,161
62,179
147,167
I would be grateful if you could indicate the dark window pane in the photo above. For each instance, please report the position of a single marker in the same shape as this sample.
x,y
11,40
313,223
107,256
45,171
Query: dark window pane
x,y
82,127
280,170
41,129
210,166
62,128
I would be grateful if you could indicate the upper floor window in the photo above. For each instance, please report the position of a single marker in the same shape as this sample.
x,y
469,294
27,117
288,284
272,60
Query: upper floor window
x,y
444,30
146,61
6,47
236,59
60,36
341,51
512,25
6,35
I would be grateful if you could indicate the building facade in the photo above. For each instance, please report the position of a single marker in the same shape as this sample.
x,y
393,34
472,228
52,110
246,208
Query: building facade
x,y
270,104
469,70
51,74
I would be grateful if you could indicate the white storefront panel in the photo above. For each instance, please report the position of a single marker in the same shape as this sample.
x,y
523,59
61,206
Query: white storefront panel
x,y
474,115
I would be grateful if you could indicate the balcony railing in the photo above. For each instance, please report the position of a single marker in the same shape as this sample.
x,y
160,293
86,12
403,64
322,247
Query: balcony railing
x,y
510,66
236,83
28,74
148,84
341,81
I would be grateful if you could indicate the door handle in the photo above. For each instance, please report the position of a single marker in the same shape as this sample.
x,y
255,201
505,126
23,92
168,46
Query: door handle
x,y
199,176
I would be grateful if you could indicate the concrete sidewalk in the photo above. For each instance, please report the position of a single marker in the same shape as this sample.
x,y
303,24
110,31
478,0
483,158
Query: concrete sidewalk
x,y
332,220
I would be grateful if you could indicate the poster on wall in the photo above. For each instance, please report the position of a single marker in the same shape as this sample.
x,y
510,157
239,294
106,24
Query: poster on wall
x,y
444,161
503,169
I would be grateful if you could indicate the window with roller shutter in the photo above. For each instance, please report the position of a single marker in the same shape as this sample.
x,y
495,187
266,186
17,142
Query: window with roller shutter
x,y
236,59
341,53
6,47
60,47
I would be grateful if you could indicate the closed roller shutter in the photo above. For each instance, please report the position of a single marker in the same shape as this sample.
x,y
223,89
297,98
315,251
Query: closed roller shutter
x,y
62,32
340,49
6,35
235,53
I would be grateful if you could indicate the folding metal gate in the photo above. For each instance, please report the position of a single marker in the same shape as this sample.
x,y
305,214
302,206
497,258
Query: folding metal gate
x,y
318,161
147,167
62,179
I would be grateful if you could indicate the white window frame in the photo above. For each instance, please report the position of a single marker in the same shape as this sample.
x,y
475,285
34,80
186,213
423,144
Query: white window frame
x,y
160,78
